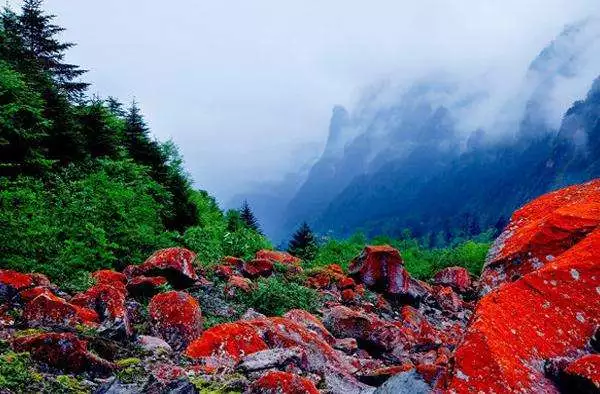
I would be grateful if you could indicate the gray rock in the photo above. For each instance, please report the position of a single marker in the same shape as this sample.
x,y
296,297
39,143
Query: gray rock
x,y
153,345
408,382
272,358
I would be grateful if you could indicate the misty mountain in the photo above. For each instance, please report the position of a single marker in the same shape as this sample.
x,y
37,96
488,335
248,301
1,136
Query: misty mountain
x,y
405,160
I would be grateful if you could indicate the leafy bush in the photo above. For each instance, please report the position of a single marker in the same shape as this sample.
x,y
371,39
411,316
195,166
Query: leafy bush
x,y
274,296
76,222
16,374
338,251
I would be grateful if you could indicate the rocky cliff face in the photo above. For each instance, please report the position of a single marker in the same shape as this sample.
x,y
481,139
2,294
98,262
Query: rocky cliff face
x,y
529,324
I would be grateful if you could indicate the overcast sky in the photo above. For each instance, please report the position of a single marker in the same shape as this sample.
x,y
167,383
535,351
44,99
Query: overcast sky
x,y
246,88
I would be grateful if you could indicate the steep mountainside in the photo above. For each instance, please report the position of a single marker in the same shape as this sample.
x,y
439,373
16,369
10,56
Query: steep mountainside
x,y
407,162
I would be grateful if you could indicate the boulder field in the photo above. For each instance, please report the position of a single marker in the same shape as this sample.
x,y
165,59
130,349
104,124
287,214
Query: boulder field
x,y
529,324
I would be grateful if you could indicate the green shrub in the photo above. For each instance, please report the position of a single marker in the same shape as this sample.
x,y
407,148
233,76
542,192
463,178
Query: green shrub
x,y
338,251
244,243
274,296
15,372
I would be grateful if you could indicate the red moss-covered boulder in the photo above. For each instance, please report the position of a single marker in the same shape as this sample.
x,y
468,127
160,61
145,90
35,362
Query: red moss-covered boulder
x,y
541,231
11,282
236,284
224,271
278,257
548,313
32,292
311,323
175,264
456,277
582,375
176,318
232,261
224,345
447,299
64,351
381,268
145,285
257,267
109,277
48,310
108,300
277,382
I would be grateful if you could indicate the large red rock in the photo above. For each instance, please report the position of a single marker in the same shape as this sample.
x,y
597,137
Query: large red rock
x,y
548,313
381,268
278,257
541,231
224,345
456,277
257,267
11,282
175,264
583,375
108,300
109,277
311,323
64,351
277,382
48,310
176,317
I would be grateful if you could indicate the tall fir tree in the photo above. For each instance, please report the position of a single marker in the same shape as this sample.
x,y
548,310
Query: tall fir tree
x,y
102,132
40,42
248,217
303,243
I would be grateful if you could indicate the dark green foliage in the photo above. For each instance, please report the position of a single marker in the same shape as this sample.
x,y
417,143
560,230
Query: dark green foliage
x,y
40,43
303,243
420,261
274,296
22,126
16,373
248,217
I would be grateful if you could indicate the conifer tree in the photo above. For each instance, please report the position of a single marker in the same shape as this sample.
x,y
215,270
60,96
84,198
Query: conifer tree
x,y
248,217
103,137
39,39
303,243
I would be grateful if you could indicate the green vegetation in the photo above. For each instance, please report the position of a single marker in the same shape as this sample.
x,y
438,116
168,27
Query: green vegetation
x,y
303,243
83,185
16,373
420,261
274,296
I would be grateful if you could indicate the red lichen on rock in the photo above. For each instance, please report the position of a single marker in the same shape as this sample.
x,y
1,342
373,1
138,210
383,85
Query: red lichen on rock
x,y
277,382
222,346
587,368
278,257
64,351
30,293
541,231
548,313
109,277
381,267
346,283
456,277
311,323
176,318
48,310
108,300
175,264
15,280
224,271
257,267
232,261
236,283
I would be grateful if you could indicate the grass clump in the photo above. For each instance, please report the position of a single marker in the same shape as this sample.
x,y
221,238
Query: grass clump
x,y
16,373
274,296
